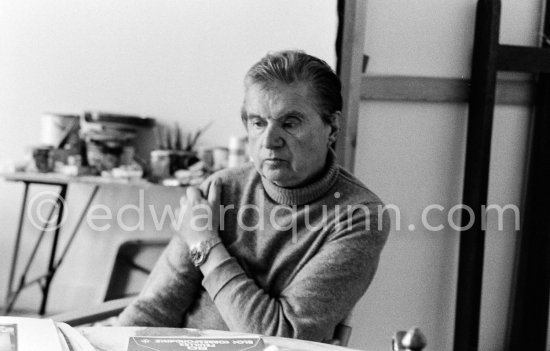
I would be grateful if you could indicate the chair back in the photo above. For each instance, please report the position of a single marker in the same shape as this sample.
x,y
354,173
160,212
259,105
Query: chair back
x,y
134,261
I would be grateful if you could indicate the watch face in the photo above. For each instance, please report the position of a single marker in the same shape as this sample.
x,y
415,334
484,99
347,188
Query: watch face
x,y
197,256
199,253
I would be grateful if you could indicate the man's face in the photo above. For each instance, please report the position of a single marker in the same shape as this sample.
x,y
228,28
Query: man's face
x,y
288,139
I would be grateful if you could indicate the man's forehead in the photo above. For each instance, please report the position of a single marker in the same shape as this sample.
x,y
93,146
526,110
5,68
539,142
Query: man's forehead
x,y
275,90
280,96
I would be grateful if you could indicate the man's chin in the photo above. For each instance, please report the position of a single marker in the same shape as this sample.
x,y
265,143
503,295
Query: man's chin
x,y
277,177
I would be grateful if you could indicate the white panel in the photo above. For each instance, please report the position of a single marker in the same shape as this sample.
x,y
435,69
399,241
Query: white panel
x,y
435,37
412,155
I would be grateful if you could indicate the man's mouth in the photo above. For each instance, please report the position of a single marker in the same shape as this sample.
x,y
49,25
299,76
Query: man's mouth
x,y
274,160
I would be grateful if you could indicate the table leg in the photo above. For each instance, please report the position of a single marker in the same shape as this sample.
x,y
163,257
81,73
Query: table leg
x,y
54,263
16,248
14,294
78,224
23,278
51,266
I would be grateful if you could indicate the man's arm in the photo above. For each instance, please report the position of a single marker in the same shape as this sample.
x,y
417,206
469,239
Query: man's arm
x,y
174,284
321,294
171,288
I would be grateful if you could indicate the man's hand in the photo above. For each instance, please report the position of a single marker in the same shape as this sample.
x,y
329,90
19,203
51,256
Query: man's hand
x,y
200,217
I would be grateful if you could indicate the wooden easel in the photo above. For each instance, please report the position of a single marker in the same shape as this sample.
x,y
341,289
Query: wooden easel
x,y
529,308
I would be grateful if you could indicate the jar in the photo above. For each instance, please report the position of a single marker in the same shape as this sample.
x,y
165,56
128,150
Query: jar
x,y
160,164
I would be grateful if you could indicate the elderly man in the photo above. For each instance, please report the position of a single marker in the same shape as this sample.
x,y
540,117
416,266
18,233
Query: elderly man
x,y
285,245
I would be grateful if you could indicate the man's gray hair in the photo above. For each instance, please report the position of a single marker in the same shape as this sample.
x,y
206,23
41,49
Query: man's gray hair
x,y
296,66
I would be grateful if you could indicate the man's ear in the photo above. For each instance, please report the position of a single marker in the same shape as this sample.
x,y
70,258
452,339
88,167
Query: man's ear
x,y
334,123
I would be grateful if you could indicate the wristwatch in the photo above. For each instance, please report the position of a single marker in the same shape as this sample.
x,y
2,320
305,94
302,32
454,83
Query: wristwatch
x,y
199,252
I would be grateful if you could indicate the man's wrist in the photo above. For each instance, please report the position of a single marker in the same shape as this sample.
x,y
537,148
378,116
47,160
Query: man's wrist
x,y
217,255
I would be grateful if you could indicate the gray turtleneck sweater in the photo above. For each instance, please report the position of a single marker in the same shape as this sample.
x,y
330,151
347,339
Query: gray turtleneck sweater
x,y
301,259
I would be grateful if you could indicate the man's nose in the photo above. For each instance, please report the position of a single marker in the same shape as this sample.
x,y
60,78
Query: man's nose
x,y
273,137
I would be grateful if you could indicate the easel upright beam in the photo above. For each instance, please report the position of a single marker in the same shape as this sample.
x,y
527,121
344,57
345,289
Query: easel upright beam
x,y
528,329
530,301
476,177
351,71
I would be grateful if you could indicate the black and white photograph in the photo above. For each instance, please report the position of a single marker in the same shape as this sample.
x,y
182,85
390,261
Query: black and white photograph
x,y
275,175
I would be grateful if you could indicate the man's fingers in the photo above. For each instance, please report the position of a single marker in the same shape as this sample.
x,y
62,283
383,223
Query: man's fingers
x,y
193,195
214,199
214,193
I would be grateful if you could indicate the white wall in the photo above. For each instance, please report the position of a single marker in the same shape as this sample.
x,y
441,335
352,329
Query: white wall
x,y
184,60
412,155
174,60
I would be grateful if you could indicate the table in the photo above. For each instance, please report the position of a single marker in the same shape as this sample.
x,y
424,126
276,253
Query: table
x,y
116,338
62,182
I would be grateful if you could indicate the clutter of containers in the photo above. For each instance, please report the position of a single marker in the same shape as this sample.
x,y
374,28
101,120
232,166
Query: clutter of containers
x,y
129,147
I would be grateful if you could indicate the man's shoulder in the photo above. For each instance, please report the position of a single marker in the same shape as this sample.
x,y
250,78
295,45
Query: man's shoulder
x,y
354,190
355,193
236,174
234,180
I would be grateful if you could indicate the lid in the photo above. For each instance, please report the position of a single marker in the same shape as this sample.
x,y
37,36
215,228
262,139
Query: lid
x,y
160,153
55,115
106,117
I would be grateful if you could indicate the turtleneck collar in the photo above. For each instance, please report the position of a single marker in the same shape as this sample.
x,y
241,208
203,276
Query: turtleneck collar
x,y
307,193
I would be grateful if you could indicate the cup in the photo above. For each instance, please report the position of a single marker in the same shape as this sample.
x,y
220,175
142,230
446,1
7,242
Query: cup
x,y
42,156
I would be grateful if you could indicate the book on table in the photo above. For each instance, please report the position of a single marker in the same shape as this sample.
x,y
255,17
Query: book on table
x,y
32,334
183,343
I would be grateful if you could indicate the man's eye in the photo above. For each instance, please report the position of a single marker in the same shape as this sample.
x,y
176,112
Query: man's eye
x,y
291,123
256,123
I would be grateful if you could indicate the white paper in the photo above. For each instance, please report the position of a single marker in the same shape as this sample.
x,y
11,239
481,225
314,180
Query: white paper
x,y
35,334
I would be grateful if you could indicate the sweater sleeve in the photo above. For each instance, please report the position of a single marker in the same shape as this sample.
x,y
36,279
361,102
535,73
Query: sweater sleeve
x,y
171,288
319,296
